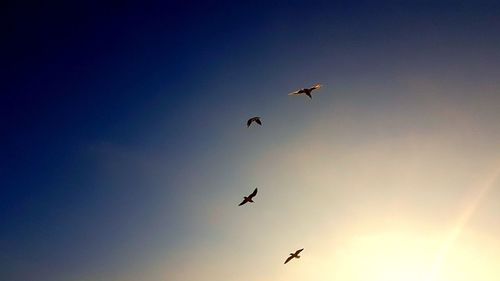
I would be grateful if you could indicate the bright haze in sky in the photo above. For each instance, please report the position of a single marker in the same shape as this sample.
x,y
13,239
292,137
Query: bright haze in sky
x,y
124,149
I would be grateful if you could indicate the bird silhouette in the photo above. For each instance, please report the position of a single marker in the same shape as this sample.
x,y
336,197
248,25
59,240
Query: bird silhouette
x,y
294,255
306,91
255,119
248,198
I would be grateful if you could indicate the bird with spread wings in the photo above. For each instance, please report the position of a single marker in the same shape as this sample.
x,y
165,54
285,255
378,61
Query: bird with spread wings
x,y
294,255
254,119
306,91
249,198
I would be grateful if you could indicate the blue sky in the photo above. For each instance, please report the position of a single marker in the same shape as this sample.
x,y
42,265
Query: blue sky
x,y
123,126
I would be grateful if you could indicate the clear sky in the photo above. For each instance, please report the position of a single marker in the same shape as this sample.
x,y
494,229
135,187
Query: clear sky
x,y
124,150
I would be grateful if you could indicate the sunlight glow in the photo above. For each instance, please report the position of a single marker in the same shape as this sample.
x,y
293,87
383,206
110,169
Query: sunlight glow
x,y
388,256
461,223
406,256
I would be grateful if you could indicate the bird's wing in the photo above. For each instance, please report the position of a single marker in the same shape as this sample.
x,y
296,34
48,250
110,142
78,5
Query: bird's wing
x,y
298,251
243,202
317,86
288,259
249,122
258,121
253,193
298,92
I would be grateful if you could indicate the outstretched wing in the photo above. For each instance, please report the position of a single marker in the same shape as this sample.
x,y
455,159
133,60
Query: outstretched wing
x,y
249,122
298,251
288,259
296,93
317,86
258,121
253,193
243,202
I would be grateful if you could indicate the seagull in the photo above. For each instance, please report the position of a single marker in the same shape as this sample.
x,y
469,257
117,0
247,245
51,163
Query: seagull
x,y
294,255
306,91
248,198
255,119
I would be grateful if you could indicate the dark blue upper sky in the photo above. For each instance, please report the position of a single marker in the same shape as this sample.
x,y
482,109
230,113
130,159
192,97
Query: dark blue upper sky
x,y
96,95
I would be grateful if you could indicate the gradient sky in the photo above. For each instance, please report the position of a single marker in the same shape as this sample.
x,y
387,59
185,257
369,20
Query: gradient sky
x,y
124,151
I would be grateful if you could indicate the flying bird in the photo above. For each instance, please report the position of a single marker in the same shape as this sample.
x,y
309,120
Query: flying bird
x,y
254,119
248,198
294,255
306,91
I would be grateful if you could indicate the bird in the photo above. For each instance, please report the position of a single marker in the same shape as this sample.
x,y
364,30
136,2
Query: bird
x,y
248,198
294,255
255,119
306,91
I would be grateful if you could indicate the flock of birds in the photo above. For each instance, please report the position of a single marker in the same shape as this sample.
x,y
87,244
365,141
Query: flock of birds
x,y
249,199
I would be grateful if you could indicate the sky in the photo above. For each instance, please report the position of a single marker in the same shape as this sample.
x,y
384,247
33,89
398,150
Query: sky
x,y
124,150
